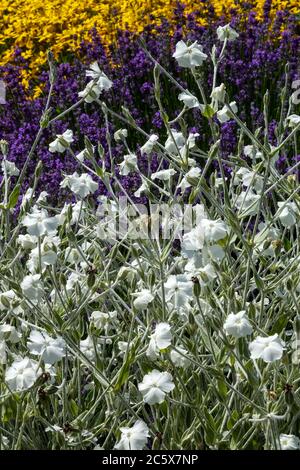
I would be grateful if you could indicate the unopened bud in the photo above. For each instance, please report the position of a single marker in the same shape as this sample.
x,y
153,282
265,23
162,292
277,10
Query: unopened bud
x,y
277,244
289,395
88,145
52,67
4,147
38,169
267,243
62,279
196,286
91,280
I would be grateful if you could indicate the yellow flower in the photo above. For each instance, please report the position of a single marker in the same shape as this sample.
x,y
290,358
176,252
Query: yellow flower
x,y
38,25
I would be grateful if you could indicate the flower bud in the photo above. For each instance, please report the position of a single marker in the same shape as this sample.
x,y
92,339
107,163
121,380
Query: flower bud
x,y
276,244
218,93
289,395
191,319
71,236
52,67
89,147
44,121
292,179
192,181
101,150
267,244
38,169
196,286
4,147
91,279
62,279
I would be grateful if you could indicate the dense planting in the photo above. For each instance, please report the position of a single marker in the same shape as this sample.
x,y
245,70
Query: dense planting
x,y
149,241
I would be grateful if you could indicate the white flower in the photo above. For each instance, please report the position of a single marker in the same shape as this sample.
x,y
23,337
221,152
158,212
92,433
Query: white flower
x,y
134,438
49,349
179,358
148,146
193,240
103,320
42,256
124,346
73,256
287,213
238,325
143,299
42,197
73,280
224,114
216,253
226,32
91,92
94,71
10,168
32,288
155,385
7,299
268,348
22,374
160,339
206,274
62,142
3,355
163,175
189,100
266,234
193,173
120,135
82,185
26,197
38,223
214,230
103,82
249,178
191,140
289,442
177,141
194,263
87,348
189,56
9,333
27,242
82,155
218,93
144,187
129,164
251,151
76,210
179,290
293,120
247,202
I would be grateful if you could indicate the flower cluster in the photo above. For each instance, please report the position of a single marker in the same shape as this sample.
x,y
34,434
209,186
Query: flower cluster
x,y
252,63
62,25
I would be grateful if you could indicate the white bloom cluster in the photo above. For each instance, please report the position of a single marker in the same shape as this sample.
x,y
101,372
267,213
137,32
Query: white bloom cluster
x,y
99,83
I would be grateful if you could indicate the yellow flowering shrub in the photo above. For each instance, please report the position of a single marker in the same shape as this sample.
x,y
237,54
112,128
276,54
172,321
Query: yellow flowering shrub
x,y
36,25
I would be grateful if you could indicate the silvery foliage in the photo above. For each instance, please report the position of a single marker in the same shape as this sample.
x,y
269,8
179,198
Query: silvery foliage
x,y
109,341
